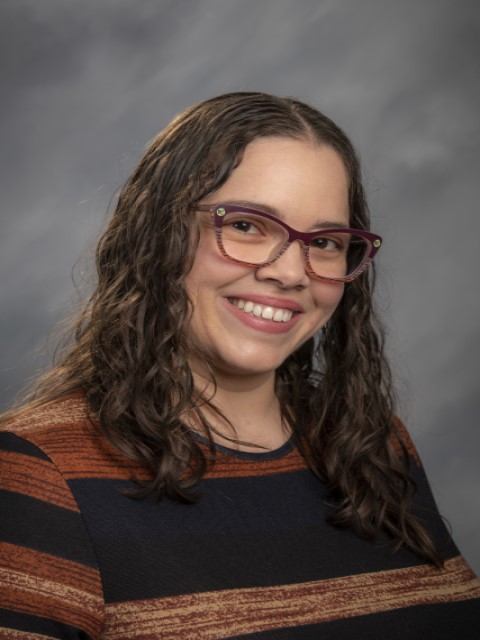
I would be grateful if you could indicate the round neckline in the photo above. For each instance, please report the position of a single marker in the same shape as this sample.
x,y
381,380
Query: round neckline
x,y
285,448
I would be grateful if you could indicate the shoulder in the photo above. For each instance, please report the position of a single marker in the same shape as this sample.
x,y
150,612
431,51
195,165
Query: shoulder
x,y
36,422
54,428
66,432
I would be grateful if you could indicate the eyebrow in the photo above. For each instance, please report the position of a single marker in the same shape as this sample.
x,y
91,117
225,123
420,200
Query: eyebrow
x,y
266,208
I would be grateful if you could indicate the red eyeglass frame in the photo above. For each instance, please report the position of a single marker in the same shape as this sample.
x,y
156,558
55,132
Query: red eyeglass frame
x,y
218,211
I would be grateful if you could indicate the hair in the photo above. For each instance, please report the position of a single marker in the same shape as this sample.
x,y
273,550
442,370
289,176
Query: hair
x,y
131,345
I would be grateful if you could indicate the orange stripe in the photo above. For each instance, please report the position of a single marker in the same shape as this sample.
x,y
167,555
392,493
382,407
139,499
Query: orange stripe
x,y
231,466
407,441
35,478
223,614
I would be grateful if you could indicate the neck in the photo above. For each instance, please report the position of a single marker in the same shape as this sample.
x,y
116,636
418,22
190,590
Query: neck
x,y
250,405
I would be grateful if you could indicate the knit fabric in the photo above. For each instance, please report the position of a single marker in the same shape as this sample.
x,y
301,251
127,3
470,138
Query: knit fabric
x,y
254,558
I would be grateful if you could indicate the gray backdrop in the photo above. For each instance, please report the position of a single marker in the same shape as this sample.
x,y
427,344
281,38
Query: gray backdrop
x,y
86,84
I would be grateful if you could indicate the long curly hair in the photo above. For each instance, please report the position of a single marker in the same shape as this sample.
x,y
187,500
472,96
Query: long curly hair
x,y
131,344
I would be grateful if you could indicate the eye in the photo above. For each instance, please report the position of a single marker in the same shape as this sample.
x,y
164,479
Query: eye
x,y
245,226
329,243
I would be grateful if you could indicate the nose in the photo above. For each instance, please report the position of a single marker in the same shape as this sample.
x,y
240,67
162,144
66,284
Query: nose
x,y
288,271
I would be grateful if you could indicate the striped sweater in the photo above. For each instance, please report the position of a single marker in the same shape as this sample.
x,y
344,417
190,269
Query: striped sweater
x,y
254,558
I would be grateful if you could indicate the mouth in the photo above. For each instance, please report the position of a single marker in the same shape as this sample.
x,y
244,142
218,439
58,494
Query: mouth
x,y
266,312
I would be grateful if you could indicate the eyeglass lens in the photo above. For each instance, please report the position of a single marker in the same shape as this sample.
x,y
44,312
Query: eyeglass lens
x,y
256,240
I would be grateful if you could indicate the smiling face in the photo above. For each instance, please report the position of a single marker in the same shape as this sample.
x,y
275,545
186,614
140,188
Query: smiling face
x,y
248,320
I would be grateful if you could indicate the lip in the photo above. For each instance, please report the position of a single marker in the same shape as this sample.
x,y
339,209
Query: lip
x,y
259,323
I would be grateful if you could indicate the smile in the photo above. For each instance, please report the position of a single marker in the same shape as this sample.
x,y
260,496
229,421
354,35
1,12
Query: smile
x,y
262,311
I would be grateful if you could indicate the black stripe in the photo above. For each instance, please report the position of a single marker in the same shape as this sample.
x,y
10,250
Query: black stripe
x,y
161,568
239,504
15,444
244,532
44,527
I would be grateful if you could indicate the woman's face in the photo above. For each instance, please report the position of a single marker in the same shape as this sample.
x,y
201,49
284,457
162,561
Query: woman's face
x,y
306,186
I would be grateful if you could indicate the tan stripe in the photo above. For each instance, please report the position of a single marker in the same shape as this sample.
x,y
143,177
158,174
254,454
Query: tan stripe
x,y
43,597
47,567
222,614
42,586
64,412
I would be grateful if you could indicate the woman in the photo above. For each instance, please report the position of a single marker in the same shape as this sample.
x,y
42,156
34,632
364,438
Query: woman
x,y
216,455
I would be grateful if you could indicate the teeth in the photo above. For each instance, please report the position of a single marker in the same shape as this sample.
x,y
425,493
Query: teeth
x,y
261,311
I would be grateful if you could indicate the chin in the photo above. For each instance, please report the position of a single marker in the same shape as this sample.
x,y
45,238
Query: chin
x,y
255,366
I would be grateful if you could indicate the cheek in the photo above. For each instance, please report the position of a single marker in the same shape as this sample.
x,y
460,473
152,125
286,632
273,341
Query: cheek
x,y
200,273
328,296
211,271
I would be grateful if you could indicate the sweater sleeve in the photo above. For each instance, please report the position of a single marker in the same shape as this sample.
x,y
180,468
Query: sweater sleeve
x,y
50,583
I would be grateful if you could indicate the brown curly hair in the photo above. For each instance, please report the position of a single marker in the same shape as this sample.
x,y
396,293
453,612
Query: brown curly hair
x,y
131,345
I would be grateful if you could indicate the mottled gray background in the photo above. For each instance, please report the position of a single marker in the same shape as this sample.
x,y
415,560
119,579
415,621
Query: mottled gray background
x,y
86,84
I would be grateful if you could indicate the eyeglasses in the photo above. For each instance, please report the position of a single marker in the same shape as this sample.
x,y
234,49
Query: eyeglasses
x,y
257,239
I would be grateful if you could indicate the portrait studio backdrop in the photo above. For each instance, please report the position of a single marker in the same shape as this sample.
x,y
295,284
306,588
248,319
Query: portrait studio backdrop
x,y
86,84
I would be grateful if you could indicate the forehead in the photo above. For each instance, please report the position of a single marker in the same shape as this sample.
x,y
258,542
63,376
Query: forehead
x,y
298,179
